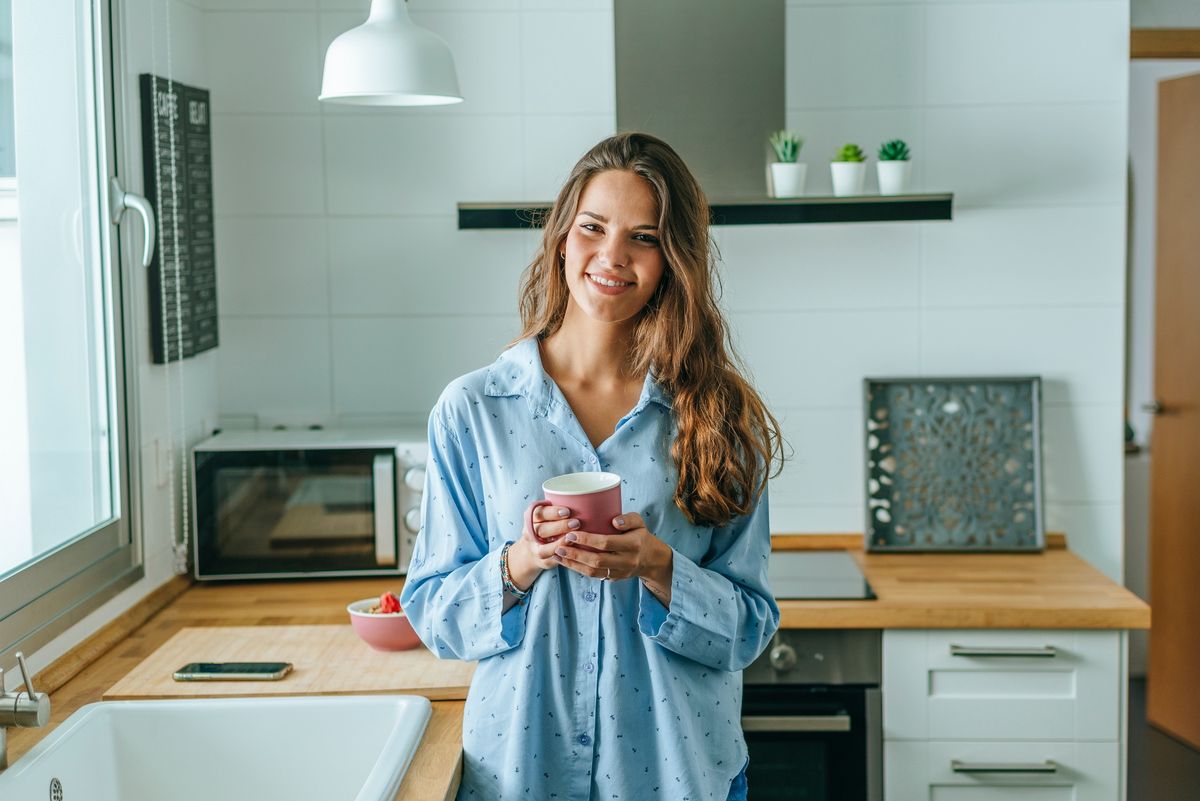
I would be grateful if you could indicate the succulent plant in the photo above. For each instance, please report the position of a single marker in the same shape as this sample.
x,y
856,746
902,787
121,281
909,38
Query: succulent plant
x,y
894,150
786,145
850,152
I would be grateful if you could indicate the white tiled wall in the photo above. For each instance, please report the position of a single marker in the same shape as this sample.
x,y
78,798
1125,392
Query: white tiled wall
x,y
1030,135
347,292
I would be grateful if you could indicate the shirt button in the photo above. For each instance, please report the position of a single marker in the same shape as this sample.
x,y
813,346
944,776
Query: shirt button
x,y
584,739
589,667
589,596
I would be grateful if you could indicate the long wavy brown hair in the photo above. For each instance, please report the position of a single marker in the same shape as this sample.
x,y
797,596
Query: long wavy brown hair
x,y
726,440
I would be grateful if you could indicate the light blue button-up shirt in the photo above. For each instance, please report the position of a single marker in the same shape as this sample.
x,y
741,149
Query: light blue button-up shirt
x,y
591,689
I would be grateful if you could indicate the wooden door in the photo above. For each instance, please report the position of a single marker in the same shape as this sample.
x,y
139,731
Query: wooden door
x,y
1173,678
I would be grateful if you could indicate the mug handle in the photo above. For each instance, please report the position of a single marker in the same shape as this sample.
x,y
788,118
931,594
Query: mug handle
x,y
529,519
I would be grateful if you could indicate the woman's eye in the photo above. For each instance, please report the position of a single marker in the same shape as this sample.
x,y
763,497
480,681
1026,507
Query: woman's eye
x,y
590,227
649,240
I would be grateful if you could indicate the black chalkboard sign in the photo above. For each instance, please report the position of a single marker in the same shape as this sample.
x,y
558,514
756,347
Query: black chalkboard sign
x,y
177,165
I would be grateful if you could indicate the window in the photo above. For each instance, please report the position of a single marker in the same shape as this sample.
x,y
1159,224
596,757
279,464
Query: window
x,y
65,533
8,155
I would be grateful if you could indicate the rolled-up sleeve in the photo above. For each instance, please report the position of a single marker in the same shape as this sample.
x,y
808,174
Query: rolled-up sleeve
x,y
722,612
453,593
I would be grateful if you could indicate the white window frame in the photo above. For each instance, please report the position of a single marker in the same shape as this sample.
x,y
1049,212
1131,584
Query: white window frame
x,y
45,597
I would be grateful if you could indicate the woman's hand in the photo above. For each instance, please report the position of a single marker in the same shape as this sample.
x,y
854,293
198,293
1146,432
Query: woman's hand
x,y
632,552
533,553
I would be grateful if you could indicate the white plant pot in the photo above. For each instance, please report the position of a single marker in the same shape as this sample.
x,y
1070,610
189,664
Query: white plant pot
x,y
893,176
787,178
848,177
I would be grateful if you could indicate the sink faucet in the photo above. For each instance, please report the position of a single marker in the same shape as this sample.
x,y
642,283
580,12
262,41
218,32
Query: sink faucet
x,y
24,709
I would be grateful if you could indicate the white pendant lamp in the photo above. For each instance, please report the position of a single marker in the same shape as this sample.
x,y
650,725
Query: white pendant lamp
x,y
389,61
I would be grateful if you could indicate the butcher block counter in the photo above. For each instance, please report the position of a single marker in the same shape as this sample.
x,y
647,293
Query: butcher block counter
x,y
1053,589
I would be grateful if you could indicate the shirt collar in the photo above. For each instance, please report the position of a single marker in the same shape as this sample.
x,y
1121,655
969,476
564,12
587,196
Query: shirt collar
x,y
519,371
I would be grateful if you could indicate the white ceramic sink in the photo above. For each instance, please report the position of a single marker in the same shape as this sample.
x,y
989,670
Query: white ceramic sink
x,y
348,748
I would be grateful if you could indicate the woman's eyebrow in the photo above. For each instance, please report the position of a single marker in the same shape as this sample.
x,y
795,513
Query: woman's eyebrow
x,y
604,219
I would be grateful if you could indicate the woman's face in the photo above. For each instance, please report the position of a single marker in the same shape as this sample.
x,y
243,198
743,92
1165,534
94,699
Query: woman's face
x,y
613,258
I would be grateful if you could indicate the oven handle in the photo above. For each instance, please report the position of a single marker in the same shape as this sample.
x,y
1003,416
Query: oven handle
x,y
1048,766
383,481
815,723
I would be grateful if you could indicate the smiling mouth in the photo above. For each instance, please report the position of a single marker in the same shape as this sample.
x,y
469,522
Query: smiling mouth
x,y
607,281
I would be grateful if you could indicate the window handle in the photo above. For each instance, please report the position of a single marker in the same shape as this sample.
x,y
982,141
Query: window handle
x,y
119,200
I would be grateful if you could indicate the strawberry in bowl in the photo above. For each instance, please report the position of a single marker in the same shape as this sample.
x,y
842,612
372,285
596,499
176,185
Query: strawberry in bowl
x,y
382,624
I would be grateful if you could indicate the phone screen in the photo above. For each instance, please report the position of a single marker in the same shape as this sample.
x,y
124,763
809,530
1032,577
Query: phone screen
x,y
245,671
225,668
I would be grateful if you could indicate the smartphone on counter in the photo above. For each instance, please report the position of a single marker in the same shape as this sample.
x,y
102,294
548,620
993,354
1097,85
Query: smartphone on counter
x,y
233,671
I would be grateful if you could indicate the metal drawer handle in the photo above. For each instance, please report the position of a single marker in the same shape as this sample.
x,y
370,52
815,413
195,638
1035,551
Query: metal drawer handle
x,y
818,723
1046,651
1049,766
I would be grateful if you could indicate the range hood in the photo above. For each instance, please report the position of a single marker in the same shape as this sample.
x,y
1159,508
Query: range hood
x,y
708,77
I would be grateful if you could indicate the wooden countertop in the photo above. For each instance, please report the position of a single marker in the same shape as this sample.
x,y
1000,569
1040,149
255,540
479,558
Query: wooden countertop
x,y
437,766
1054,589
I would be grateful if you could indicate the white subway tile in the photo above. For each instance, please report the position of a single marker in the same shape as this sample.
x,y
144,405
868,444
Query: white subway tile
x,y
826,131
264,5
1025,256
821,358
1017,53
853,56
420,164
426,5
422,265
1083,448
1076,351
1094,532
1024,155
793,267
272,265
263,62
567,5
275,366
267,164
553,145
147,23
567,63
399,366
487,60
826,466
789,519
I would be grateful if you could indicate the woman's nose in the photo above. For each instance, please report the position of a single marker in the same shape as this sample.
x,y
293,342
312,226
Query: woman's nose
x,y
611,254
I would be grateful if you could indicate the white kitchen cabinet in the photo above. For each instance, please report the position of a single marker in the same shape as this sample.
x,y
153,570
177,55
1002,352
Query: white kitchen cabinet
x,y
916,770
1008,699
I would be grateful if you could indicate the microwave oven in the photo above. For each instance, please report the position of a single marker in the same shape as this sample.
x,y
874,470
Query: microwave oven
x,y
305,504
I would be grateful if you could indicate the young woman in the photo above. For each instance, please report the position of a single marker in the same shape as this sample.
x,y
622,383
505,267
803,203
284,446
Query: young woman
x,y
609,664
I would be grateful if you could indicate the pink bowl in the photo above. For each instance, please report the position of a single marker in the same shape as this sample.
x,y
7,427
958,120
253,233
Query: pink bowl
x,y
390,632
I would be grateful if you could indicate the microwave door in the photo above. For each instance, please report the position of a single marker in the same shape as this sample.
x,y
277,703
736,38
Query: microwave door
x,y
384,481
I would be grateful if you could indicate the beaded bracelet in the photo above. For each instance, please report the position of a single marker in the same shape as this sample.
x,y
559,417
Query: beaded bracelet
x,y
507,579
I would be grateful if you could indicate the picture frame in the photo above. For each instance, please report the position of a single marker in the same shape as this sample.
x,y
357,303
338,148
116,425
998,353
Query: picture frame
x,y
953,464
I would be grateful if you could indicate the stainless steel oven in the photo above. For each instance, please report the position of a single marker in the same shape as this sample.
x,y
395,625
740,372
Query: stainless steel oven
x,y
286,504
812,717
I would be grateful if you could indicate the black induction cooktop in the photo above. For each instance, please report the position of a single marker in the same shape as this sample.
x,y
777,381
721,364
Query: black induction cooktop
x,y
816,575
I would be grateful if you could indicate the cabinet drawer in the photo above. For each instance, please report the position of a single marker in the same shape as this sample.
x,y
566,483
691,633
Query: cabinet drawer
x,y
1001,685
995,771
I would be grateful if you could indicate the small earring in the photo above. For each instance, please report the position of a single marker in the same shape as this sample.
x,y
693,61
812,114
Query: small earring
x,y
562,255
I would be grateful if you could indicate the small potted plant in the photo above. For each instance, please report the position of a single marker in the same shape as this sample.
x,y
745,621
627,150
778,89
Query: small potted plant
x,y
849,170
894,167
787,174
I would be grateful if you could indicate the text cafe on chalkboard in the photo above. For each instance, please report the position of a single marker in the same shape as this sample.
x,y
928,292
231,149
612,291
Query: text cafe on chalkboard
x,y
177,165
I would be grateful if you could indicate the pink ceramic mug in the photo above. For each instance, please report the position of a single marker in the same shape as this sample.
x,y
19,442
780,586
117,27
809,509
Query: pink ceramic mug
x,y
593,498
